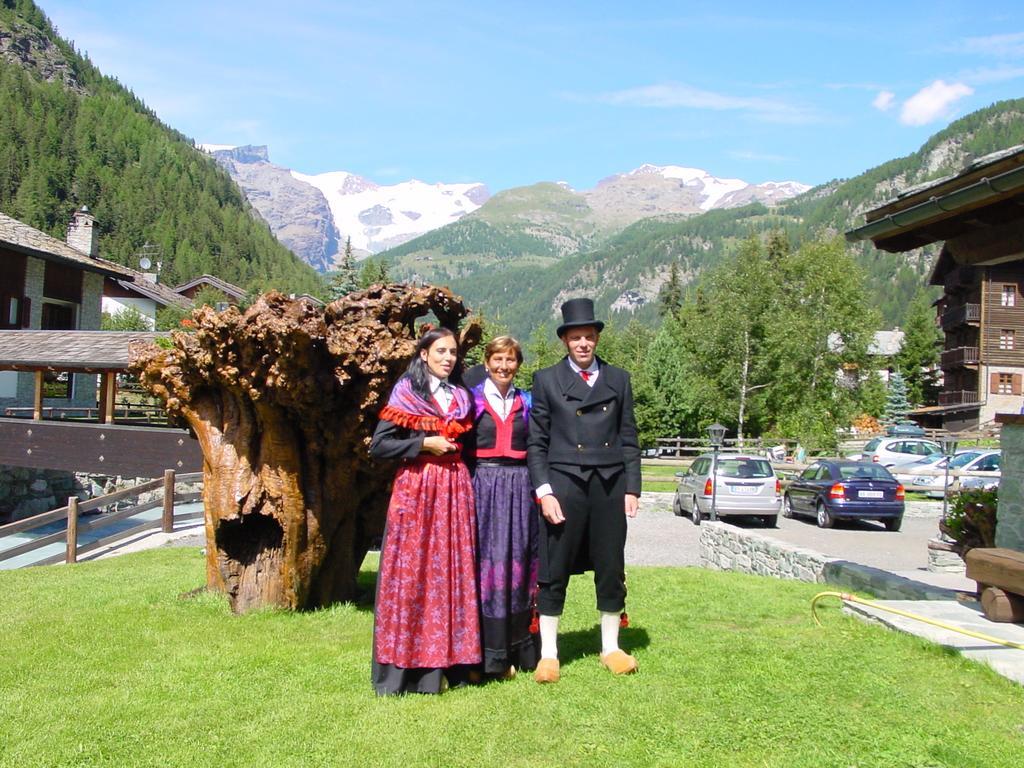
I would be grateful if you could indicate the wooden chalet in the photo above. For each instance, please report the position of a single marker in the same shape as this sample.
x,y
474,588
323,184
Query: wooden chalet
x,y
143,293
978,215
232,293
53,285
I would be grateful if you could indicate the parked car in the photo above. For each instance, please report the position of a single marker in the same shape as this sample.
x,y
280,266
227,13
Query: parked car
x,y
894,451
745,485
986,462
936,462
904,429
987,483
838,490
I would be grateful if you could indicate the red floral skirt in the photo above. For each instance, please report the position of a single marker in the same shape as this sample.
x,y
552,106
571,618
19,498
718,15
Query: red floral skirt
x,y
427,613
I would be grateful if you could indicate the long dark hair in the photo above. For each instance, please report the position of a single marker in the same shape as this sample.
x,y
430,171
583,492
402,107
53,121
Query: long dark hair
x,y
417,370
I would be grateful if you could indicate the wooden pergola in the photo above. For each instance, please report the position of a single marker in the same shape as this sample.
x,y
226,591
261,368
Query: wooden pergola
x,y
104,353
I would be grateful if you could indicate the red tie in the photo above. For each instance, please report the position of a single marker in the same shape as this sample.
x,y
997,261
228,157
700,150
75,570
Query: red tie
x,y
585,375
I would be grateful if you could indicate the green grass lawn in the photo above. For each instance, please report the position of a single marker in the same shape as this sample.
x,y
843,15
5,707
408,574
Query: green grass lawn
x,y
106,664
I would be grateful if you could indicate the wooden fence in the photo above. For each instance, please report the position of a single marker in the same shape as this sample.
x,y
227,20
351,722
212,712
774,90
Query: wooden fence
x,y
75,509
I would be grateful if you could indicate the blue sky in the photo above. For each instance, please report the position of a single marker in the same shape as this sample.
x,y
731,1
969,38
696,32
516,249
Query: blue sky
x,y
514,93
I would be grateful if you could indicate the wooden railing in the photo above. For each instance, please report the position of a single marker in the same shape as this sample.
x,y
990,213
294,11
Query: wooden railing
x,y
75,508
957,316
959,356
958,397
123,413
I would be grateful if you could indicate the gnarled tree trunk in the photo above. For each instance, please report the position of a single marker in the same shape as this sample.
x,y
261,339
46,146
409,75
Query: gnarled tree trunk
x,y
283,398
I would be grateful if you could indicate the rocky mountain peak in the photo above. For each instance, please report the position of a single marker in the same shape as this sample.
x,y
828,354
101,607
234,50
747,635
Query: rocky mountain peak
x,y
29,47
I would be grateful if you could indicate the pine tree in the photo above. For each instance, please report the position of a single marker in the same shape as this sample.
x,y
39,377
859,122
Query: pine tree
x,y
896,405
918,359
670,297
345,280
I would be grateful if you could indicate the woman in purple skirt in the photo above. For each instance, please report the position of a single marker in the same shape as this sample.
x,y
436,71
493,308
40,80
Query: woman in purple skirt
x,y
506,514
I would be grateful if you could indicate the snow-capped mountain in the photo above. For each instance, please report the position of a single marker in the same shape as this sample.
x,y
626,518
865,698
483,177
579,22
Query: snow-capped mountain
x,y
377,216
672,189
313,215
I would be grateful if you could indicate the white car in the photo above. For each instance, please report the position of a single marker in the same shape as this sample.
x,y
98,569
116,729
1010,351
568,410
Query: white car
x,y
908,474
896,451
983,466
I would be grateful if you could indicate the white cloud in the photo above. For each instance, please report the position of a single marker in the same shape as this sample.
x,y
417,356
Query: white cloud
x,y
992,74
682,96
884,101
932,102
1009,46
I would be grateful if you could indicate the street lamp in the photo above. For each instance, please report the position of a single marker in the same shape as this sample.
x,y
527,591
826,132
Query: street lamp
x,y
948,449
716,432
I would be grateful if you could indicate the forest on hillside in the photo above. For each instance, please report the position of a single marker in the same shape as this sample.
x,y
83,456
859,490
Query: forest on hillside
x,y
92,142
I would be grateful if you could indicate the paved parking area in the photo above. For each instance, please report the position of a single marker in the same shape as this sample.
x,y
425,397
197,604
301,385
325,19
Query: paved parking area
x,y
657,537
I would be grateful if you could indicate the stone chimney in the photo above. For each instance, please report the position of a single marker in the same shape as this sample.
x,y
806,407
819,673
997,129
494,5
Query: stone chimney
x,y
82,232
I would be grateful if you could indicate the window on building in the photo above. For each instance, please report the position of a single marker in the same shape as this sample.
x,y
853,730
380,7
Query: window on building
x,y
1009,296
1005,384
58,316
1006,338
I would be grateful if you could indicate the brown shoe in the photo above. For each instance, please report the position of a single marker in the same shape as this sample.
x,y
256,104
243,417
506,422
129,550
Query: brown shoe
x,y
547,671
619,663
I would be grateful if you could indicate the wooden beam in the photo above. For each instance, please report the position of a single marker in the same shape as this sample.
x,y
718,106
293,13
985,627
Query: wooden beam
x,y
37,409
103,397
110,390
72,546
168,516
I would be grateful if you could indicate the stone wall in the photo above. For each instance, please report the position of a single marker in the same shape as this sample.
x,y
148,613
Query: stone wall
x,y
725,547
25,492
1010,514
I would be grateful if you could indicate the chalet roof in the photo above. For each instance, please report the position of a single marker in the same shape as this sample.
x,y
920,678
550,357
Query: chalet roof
x,y
161,294
228,289
987,192
19,236
77,351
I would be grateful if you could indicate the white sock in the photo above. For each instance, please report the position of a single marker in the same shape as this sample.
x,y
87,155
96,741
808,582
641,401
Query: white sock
x,y
609,632
548,637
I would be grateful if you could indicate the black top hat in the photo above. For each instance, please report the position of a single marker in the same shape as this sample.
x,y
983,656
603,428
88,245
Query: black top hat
x,y
577,313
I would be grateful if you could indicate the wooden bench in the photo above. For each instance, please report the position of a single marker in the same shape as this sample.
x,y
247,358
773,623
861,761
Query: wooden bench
x,y
1000,576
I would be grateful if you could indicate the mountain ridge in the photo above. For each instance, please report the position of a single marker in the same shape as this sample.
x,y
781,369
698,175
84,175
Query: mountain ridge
x,y
624,271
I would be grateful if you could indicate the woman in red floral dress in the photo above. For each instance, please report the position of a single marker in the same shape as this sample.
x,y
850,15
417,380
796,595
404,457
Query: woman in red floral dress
x,y
426,631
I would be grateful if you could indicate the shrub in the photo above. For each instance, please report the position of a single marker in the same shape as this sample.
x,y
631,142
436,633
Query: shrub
x,y
971,519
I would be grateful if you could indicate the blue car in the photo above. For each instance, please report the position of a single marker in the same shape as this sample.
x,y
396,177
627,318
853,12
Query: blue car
x,y
840,490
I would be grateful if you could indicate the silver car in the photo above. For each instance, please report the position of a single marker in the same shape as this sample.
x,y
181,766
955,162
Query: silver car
x,y
986,463
909,474
985,472
896,451
743,485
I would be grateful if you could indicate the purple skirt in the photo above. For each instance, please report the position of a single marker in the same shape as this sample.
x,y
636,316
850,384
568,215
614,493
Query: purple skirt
x,y
507,535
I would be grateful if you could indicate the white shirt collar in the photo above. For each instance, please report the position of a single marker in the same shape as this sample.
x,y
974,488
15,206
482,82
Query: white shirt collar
x,y
491,390
576,369
435,383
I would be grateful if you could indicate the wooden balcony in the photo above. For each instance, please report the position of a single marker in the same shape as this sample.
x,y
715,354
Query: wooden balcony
x,y
961,397
959,279
960,356
965,314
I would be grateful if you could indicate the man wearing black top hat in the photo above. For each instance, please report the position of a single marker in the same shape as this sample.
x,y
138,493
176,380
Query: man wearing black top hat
x,y
584,462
